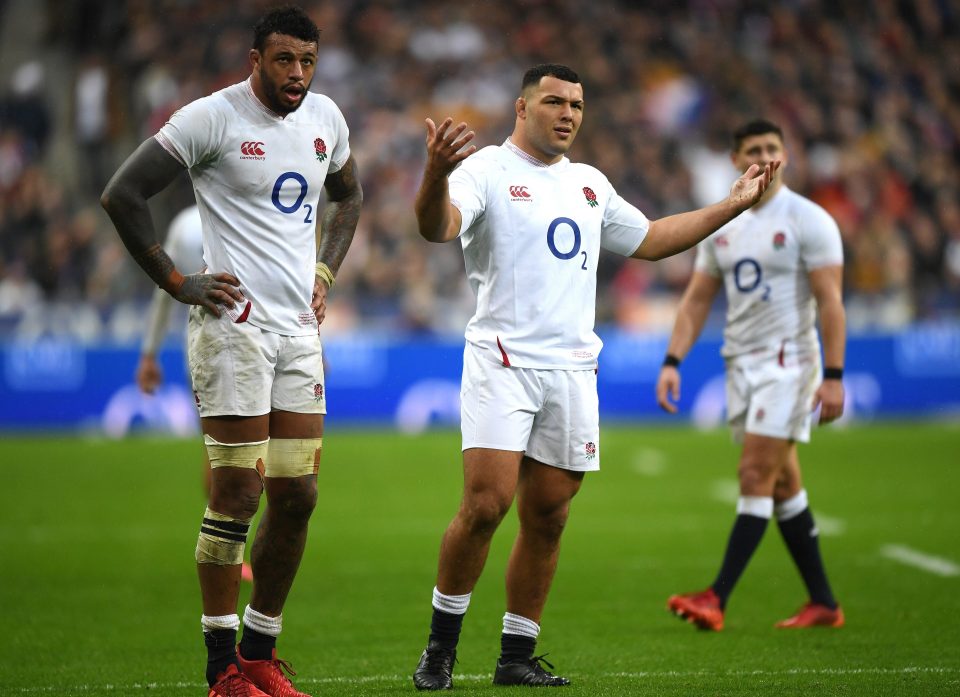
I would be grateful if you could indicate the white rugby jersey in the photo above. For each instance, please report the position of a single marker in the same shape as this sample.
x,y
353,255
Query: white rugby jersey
x,y
531,236
258,178
764,256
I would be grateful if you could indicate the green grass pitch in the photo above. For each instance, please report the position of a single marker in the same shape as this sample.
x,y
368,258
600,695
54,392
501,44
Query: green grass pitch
x,y
98,592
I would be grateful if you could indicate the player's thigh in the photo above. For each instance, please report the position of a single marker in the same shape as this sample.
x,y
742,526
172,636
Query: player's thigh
x,y
497,404
490,479
231,365
544,489
298,384
566,430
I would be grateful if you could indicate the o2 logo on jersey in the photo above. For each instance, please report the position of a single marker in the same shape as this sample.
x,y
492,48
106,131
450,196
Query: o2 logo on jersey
x,y
574,247
252,150
748,276
291,186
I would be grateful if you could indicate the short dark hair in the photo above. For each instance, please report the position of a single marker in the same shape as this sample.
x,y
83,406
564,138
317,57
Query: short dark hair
x,y
538,72
757,127
286,19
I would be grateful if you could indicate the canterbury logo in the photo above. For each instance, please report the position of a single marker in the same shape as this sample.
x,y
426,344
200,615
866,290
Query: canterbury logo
x,y
519,192
252,147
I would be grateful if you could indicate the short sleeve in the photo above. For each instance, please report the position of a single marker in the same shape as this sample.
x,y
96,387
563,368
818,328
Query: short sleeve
x,y
467,191
192,135
341,148
706,259
820,242
624,226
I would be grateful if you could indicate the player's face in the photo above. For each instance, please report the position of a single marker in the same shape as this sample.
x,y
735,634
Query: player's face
x,y
283,71
760,150
551,113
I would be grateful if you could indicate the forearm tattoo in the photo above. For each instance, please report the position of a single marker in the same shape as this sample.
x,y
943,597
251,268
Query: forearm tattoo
x,y
339,222
157,263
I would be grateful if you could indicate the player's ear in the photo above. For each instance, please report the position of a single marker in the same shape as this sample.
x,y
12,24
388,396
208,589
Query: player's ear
x,y
255,58
521,107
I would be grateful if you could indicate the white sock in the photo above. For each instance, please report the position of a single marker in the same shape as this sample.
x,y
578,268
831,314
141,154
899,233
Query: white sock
x,y
219,622
454,604
515,624
758,506
792,507
261,623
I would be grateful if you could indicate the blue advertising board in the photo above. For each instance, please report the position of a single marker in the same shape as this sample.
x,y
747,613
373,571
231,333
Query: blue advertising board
x,y
413,384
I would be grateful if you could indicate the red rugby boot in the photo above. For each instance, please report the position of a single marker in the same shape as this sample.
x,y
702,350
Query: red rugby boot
x,y
702,609
269,676
233,683
814,615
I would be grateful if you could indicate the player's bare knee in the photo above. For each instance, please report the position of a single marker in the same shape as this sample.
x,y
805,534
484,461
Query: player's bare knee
x,y
546,522
482,513
756,476
294,498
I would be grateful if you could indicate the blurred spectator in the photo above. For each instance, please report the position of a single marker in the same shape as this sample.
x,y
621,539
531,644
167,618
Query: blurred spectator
x,y
866,92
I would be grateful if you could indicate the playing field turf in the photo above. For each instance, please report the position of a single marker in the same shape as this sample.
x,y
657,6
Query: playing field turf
x,y
98,594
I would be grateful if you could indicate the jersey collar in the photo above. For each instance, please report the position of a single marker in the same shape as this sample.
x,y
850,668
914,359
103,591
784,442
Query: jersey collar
x,y
259,106
528,158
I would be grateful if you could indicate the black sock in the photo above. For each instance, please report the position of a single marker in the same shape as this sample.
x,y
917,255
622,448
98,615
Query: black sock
x,y
221,651
746,535
800,534
516,647
445,629
255,646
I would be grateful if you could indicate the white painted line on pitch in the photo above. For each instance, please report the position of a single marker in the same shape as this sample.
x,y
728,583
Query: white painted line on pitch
x,y
829,527
649,462
725,490
487,677
919,560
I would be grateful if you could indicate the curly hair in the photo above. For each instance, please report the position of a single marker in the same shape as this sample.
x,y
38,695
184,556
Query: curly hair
x,y
286,19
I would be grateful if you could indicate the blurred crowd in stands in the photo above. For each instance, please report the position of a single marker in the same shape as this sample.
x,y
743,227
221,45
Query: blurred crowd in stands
x,y
867,92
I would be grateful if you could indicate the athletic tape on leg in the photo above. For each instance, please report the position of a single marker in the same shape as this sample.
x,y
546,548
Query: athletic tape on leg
x,y
222,539
250,455
293,457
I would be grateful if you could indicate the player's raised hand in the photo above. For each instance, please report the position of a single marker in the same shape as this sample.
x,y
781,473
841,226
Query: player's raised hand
x,y
445,145
829,397
210,290
668,389
752,184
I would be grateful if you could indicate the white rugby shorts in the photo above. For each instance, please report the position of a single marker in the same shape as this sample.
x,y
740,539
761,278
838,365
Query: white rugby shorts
x,y
242,370
771,394
551,415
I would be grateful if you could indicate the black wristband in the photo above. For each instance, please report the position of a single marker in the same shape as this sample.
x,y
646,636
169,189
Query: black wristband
x,y
833,373
671,360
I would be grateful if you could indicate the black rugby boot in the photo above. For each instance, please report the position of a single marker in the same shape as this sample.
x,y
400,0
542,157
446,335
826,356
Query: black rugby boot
x,y
435,669
527,672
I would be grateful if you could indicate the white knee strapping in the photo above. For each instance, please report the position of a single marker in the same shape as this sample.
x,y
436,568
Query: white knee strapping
x,y
792,507
293,457
222,539
251,455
